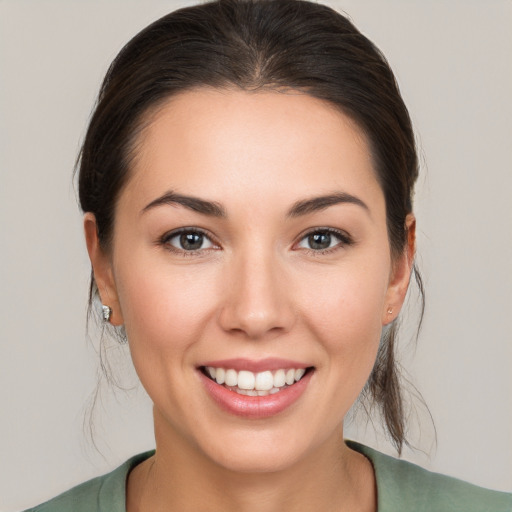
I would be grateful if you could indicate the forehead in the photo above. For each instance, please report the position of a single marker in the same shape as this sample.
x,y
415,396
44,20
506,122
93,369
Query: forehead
x,y
230,144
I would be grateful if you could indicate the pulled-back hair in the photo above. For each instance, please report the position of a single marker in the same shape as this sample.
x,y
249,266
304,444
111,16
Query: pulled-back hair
x,y
256,45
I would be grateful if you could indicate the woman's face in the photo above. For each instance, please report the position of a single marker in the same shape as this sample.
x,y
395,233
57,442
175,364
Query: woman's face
x,y
250,242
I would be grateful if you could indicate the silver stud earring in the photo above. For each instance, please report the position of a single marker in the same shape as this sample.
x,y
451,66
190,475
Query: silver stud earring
x,y
107,312
390,311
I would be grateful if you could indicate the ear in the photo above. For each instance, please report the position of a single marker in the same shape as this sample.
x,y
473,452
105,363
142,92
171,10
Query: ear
x,y
400,274
102,269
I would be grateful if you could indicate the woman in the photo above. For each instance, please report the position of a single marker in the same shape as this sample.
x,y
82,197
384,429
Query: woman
x,y
247,183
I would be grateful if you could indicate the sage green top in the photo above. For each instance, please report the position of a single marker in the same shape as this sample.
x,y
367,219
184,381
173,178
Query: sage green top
x,y
401,487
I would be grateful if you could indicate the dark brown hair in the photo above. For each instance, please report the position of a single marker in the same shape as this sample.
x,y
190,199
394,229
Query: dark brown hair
x,y
259,45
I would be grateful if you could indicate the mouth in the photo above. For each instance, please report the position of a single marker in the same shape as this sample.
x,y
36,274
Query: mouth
x,y
255,389
256,384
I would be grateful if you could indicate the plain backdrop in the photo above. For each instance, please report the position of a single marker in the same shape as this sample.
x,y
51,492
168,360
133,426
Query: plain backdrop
x,y
453,61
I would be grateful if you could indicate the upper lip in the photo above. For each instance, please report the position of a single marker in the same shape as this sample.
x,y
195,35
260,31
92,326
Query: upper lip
x,y
270,363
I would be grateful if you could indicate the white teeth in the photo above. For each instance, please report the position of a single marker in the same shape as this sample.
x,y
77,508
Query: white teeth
x,y
299,374
231,378
220,375
246,380
264,381
279,379
256,384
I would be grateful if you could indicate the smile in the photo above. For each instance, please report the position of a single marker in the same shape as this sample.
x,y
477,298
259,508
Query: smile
x,y
249,383
255,390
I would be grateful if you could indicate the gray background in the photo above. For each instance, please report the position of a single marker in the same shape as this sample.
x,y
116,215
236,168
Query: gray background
x,y
453,62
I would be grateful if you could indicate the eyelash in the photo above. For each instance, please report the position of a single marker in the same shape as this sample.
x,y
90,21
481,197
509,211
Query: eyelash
x,y
343,238
165,241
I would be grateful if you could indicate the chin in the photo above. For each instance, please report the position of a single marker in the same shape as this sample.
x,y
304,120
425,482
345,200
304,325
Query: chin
x,y
261,451
257,460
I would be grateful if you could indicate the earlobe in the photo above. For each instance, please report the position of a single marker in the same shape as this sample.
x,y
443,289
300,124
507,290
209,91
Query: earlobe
x,y
401,274
102,269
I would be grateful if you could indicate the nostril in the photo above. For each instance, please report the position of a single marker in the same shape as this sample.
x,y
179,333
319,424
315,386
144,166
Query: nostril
x,y
257,303
255,325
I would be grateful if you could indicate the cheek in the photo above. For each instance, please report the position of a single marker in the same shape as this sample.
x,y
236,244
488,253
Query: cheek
x,y
164,306
346,306
343,309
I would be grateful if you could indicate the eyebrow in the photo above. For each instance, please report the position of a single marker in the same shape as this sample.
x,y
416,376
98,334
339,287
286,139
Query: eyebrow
x,y
214,209
210,208
320,203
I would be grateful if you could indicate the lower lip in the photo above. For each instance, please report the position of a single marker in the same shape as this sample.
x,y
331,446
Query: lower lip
x,y
255,407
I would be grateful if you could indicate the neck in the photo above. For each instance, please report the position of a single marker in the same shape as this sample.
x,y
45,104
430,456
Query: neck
x,y
179,477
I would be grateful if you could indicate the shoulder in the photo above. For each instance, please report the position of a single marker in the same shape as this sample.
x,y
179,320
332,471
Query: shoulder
x,y
83,497
404,486
105,492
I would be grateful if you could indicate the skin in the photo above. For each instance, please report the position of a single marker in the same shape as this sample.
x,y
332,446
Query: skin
x,y
255,289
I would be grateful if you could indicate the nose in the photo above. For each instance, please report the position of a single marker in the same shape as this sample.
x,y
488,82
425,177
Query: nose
x,y
258,300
